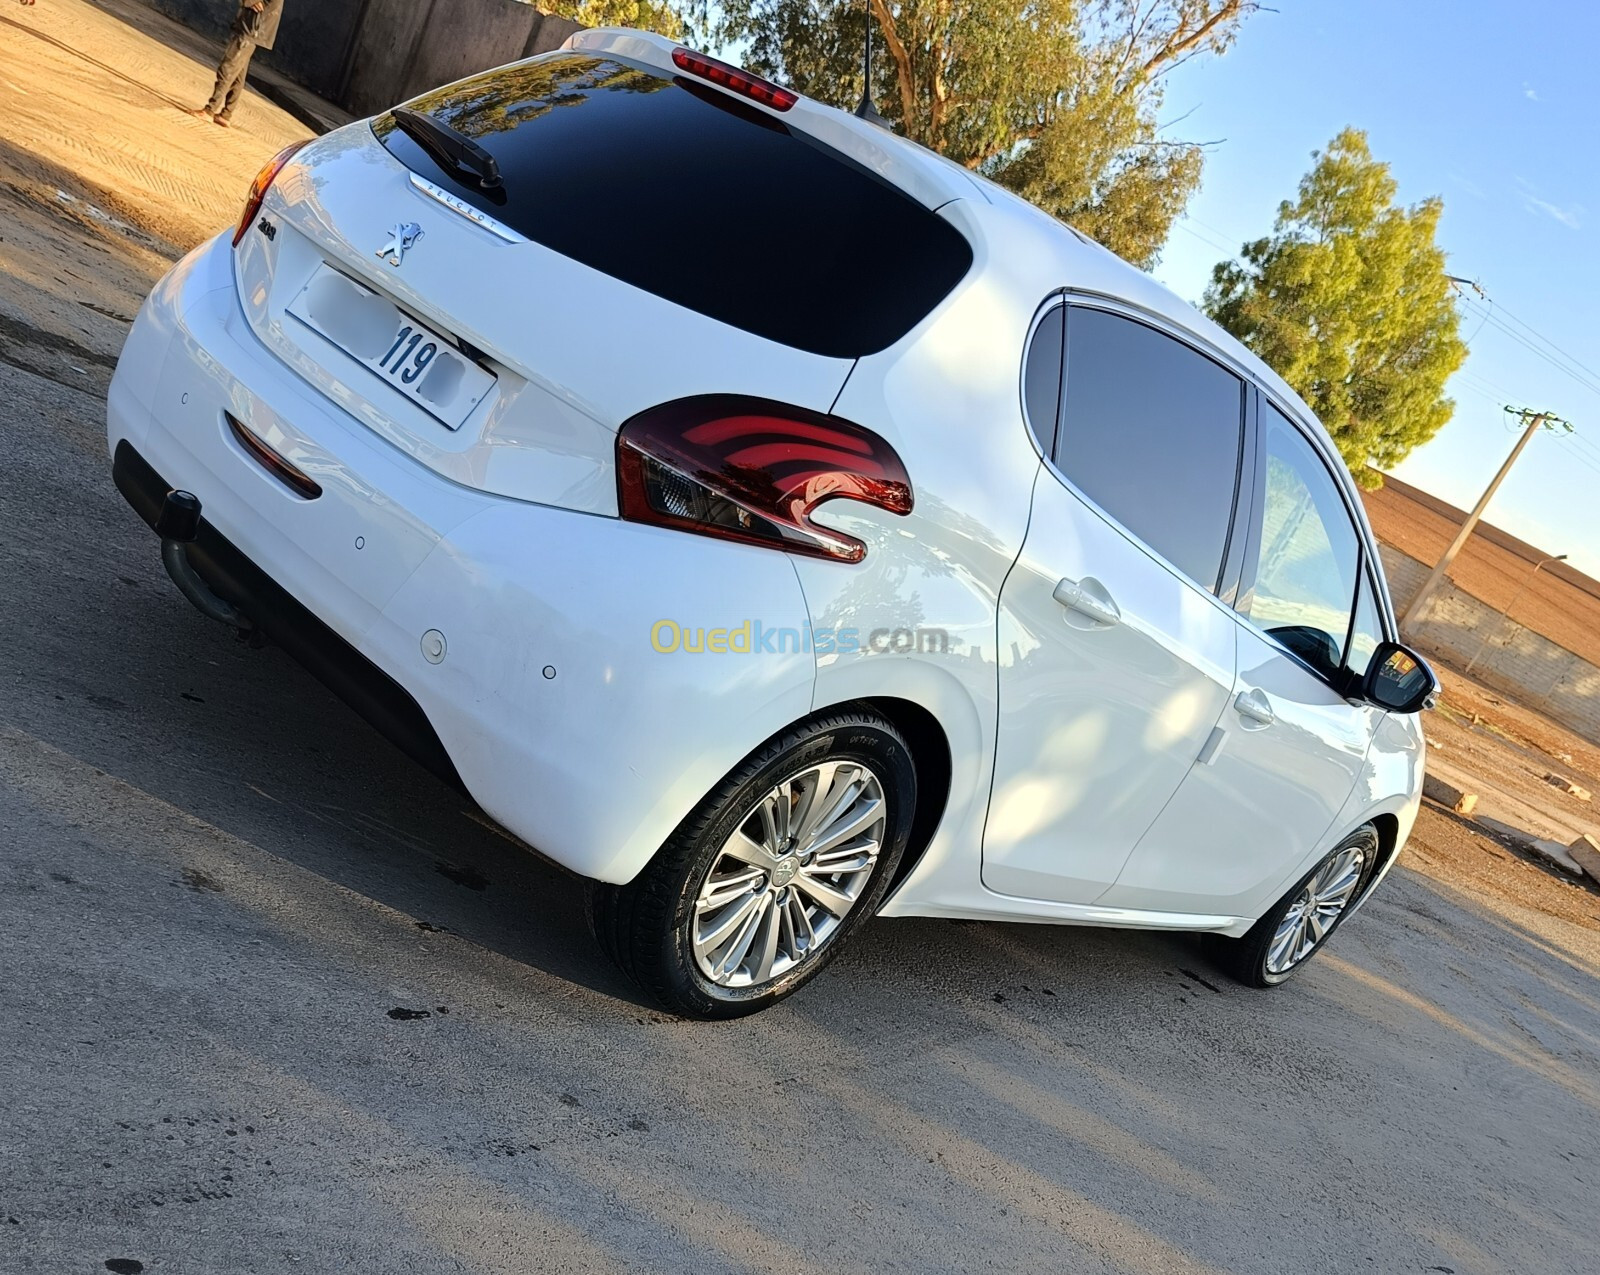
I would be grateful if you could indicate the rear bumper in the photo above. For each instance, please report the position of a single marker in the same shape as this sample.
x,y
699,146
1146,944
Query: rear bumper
x,y
332,660
550,704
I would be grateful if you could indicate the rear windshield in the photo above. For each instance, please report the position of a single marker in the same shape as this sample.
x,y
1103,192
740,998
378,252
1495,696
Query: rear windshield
x,y
688,193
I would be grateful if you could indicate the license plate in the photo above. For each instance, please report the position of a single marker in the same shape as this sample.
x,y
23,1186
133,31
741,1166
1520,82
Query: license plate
x,y
424,366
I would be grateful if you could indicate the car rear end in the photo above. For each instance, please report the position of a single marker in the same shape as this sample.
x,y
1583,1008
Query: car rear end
x,y
396,391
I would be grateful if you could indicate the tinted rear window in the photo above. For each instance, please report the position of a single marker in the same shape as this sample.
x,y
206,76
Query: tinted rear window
x,y
686,192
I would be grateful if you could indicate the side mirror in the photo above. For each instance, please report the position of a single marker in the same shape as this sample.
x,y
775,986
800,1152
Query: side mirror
x,y
1399,679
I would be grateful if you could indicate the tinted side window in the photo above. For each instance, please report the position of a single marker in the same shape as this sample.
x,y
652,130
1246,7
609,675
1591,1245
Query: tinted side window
x,y
1367,631
1150,431
687,192
1041,377
1305,577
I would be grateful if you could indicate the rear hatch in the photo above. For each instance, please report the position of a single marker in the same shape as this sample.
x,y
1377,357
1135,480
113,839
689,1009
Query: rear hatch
x,y
651,237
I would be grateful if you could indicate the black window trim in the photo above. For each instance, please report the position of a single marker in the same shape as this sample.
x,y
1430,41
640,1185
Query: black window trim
x,y
1232,558
1243,544
1343,681
1055,301
1366,577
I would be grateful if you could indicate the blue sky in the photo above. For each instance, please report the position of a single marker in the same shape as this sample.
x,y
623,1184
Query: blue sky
x,y
1496,108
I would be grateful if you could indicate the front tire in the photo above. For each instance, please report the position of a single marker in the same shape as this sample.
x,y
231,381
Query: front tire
x,y
758,889
1295,928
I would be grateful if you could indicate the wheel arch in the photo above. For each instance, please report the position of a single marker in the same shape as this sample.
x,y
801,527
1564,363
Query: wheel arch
x,y
1388,826
930,757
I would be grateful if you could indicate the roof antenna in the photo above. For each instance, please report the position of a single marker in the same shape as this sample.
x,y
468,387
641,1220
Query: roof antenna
x,y
866,110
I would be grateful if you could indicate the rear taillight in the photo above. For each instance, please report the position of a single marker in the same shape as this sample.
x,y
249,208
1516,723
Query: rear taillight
x,y
259,187
751,470
734,80
280,467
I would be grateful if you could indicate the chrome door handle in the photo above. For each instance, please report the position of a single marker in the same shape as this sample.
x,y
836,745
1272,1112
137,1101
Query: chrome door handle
x,y
1255,707
1088,597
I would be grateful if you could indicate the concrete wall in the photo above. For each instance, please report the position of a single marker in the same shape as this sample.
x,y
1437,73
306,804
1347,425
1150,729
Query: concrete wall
x,y
366,55
405,47
312,42
1531,669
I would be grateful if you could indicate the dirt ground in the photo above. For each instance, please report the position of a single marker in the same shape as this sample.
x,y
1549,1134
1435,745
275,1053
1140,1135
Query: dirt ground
x,y
276,1001
1510,749
96,149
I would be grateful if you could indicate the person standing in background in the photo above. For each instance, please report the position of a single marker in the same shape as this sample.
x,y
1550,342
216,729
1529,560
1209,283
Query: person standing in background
x,y
255,26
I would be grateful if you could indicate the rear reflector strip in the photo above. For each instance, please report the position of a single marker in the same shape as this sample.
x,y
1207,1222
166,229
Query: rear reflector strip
x,y
734,80
294,479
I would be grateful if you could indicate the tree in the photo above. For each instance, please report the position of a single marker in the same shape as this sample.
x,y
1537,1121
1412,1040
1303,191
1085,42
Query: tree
x,y
1055,99
1348,301
650,15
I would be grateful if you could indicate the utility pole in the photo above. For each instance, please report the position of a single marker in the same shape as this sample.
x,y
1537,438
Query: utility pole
x,y
1534,422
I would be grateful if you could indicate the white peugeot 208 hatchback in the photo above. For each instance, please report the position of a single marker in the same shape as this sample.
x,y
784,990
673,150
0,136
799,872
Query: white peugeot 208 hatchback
x,y
778,525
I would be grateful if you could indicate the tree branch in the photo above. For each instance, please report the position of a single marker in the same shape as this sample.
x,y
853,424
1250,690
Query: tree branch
x,y
902,63
1183,41
1136,28
1021,135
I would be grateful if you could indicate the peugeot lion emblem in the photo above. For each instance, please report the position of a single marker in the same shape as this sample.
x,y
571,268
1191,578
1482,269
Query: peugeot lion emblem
x,y
401,238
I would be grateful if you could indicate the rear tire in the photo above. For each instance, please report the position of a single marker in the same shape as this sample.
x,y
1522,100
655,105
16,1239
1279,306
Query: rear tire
x,y
768,877
1297,925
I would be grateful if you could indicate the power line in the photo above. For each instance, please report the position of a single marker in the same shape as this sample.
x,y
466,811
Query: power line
x,y
1571,358
1222,234
1589,384
1584,450
1207,239
1491,315
1488,389
1584,460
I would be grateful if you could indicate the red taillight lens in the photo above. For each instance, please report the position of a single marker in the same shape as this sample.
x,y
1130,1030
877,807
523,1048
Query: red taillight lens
x,y
258,189
290,475
750,470
734,80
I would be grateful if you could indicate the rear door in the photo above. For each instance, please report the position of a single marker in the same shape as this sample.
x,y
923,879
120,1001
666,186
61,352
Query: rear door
x,y
1116,654
1293,740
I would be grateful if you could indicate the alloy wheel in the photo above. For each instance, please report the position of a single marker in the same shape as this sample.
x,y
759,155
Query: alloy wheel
x,y
1316,909
789,874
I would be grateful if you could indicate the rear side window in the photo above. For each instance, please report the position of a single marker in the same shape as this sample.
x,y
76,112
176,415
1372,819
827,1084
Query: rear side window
x,y
1308,556
1041,377
1151,431
692,195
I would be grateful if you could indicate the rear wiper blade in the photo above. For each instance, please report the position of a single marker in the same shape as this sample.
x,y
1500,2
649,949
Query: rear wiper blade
x,y
448,147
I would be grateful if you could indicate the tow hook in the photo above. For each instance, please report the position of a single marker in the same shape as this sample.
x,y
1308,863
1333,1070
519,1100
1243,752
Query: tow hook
x,y
177,525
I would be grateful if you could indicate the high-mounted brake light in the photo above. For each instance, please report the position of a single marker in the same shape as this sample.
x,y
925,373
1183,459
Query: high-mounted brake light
x,y
754,471
258,189
734,80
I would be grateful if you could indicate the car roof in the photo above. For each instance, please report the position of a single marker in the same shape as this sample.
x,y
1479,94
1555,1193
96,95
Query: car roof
x,y
1013,228
1017,236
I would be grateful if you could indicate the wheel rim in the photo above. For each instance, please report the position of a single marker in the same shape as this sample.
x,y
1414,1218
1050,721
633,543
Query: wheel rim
x,y
1316,909
789,874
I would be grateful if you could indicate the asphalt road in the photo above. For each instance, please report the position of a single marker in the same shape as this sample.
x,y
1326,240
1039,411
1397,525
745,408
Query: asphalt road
x,y
274,1000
